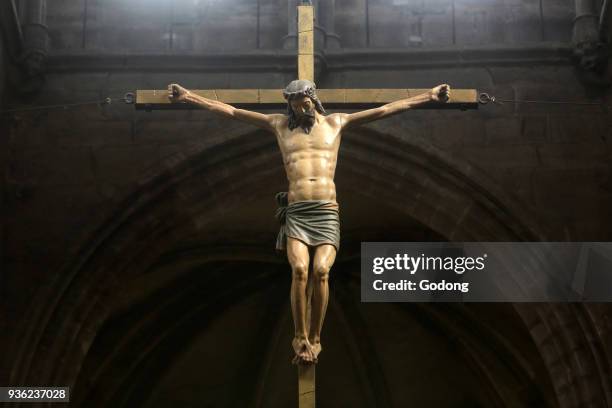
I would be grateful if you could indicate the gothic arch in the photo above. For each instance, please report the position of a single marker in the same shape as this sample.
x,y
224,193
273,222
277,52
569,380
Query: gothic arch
x,y
451,197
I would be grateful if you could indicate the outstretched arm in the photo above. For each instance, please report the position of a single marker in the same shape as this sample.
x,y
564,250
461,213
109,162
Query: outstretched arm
x,y
178,94
440,93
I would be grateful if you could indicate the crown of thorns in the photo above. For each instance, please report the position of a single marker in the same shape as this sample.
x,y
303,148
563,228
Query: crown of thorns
x,y
300,87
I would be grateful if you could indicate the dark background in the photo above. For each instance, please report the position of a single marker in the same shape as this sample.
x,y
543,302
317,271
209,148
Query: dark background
x,y
137,248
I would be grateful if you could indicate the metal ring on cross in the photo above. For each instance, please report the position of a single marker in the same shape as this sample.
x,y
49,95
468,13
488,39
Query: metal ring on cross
x,y
129,98
485,98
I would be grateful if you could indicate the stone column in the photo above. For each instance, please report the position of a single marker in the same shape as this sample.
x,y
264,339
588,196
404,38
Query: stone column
x,y
290,40
35,36
589,51
319,28
585,22
328,21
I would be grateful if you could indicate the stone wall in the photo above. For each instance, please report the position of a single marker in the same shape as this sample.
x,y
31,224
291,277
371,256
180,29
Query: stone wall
x,y
68,171
196,26
3,162
3,69
164,25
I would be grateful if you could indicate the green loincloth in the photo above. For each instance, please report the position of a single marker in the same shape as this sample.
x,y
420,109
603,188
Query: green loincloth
x,y
313,222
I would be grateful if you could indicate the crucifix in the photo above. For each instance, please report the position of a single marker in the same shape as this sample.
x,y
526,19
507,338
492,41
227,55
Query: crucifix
x,y
309,140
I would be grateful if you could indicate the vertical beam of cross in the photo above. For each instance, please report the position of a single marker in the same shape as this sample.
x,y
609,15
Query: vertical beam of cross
x,y
306,385
305,42
305,15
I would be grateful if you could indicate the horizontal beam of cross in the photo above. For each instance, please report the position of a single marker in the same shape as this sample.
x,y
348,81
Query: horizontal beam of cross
x,y
331,98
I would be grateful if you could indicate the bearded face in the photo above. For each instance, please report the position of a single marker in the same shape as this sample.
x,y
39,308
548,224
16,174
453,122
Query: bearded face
x,y
303,107
302,112
302,104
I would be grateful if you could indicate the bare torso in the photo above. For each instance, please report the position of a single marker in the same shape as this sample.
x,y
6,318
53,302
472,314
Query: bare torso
x,y
310,159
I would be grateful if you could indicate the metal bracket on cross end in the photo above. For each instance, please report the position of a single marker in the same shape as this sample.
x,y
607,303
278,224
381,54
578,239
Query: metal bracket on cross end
x,y
129,98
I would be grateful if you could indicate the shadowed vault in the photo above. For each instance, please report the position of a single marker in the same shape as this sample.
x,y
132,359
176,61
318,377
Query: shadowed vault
x,y
160,309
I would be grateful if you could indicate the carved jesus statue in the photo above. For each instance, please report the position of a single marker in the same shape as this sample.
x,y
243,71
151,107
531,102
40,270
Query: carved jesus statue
x,y
309,214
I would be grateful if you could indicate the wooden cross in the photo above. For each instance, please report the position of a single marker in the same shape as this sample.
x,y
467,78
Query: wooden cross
x,y
158,99
347,98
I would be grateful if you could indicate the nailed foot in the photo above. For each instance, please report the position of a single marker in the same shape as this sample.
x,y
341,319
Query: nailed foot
x,y
304,353
316,349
